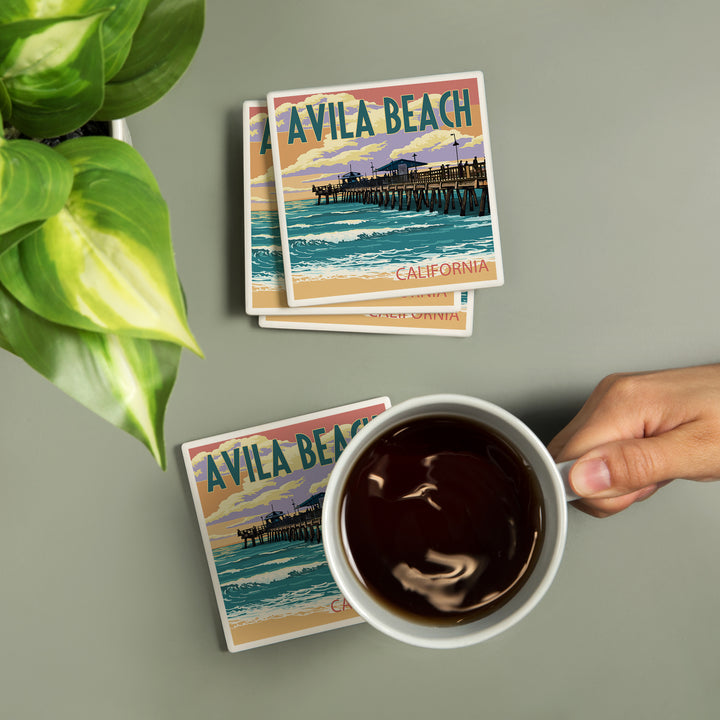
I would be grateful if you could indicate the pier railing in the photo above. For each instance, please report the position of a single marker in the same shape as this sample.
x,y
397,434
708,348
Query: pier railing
x,y
301,526
465,173
432,189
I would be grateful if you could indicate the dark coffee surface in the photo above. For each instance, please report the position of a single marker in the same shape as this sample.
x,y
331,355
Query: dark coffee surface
x,y
443,519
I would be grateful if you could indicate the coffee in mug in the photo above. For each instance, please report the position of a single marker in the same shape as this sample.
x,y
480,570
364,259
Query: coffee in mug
x,y
444,521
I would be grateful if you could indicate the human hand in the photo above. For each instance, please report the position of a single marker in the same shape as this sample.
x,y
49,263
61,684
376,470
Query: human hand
x,y
637,432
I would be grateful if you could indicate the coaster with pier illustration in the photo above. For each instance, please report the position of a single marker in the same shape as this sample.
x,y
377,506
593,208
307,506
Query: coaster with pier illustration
x,y
258,494
385,189
264,276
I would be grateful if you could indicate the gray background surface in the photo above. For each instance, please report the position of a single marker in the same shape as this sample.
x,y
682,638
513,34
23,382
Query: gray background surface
x,y
604,121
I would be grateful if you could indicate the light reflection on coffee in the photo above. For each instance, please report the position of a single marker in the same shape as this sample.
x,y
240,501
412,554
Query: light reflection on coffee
x,y
442,519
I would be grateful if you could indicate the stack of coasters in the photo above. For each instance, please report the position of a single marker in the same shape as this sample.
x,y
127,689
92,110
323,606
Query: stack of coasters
x,y
370,207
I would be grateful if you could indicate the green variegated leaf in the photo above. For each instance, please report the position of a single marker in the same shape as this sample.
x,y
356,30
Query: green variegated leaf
x,y
102,153
12,238
117,30
4,342
53,73
35,182
105,262
13,10
125,380
5,105
163,46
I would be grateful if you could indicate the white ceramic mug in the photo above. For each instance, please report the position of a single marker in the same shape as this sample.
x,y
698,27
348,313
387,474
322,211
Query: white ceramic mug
x,y
555,490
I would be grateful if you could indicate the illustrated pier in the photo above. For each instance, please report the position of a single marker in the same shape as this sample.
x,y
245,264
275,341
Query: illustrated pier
x,y
300,526
463,185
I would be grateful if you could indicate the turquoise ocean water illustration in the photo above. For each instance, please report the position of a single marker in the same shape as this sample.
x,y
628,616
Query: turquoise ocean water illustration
x,y
273,580
340,238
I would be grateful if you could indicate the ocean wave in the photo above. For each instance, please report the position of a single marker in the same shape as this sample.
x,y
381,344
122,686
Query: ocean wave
x,y
300,601
276,551
357,221
336,237
228,572
282,607
269,577
478,224
326,222
274,561
237,554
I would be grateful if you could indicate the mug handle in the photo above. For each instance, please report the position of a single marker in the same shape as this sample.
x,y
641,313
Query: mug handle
x,y
564,470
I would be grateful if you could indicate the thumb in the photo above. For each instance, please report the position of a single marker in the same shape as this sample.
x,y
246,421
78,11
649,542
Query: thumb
x,y
625,466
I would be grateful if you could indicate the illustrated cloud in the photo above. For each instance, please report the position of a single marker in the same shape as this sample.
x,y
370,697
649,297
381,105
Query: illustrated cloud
x,y
434,140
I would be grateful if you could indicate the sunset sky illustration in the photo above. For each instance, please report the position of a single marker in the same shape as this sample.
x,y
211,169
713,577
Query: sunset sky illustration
x,y
321,162
242,505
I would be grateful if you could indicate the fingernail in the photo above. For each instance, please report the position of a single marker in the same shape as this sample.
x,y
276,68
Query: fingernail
x,y
590,477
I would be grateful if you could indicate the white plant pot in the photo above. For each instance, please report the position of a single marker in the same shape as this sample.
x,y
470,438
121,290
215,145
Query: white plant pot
x,y
120,131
